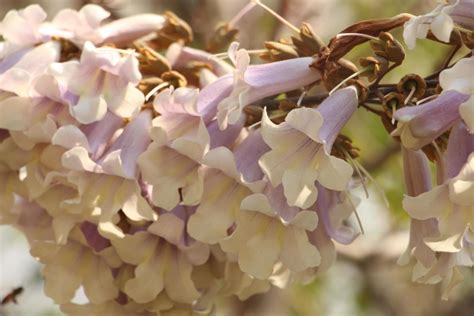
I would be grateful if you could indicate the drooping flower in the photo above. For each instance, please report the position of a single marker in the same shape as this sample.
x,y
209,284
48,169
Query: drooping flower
x,y
69,266
102,80
419,125
227,181
163,260
21,28
441,231
87,25
301,148
172,163
269,231
418,181
440,21
108,169
252,83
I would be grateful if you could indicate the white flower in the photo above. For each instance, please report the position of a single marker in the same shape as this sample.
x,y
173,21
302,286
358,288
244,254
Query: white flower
x,y
459,78
438,21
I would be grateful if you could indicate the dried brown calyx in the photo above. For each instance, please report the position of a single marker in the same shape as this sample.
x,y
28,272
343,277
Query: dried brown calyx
x,y
340,46
223,36
412,86
343,146
388,47
151,62
174,30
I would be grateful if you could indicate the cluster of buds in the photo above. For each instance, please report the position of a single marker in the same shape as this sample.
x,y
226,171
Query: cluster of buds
x,y
159,177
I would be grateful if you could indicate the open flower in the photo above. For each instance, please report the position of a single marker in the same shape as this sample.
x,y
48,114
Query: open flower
x,y
421,124
452,204
86,25
22,28
301,148
163,261
83,24
69,266
227,181
269,231
172,163
440,21
102,80
254,83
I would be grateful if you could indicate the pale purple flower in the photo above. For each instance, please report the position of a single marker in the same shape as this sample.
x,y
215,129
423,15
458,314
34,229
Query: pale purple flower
x,y
301,147
421,124
102,80
227,96
227,181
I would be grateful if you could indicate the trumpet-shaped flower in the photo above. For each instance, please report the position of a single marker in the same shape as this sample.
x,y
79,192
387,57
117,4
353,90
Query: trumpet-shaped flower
x,y
18,70
87,25
254,83
69,266
227,181
441,21
451,203
82,25
163,262
268,231
102,80
22,28
301,147
419,125
171,164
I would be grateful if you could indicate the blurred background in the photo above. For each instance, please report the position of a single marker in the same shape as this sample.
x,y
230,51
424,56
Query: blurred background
x,y
366,279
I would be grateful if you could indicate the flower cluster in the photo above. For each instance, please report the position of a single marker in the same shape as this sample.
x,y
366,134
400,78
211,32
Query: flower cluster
x,y
162,203
159,178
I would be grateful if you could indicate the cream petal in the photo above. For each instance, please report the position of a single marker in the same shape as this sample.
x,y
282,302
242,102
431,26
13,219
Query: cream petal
x,y
462,192
442,26
437,199
61,283
89,109
259,255
148,281
16,113
458,77
169,227
62,226
99,284
78,159
307,220
299,185
306,120
258,203
179,285
334,173
298,253
451,244
70,136
466,110
135,249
